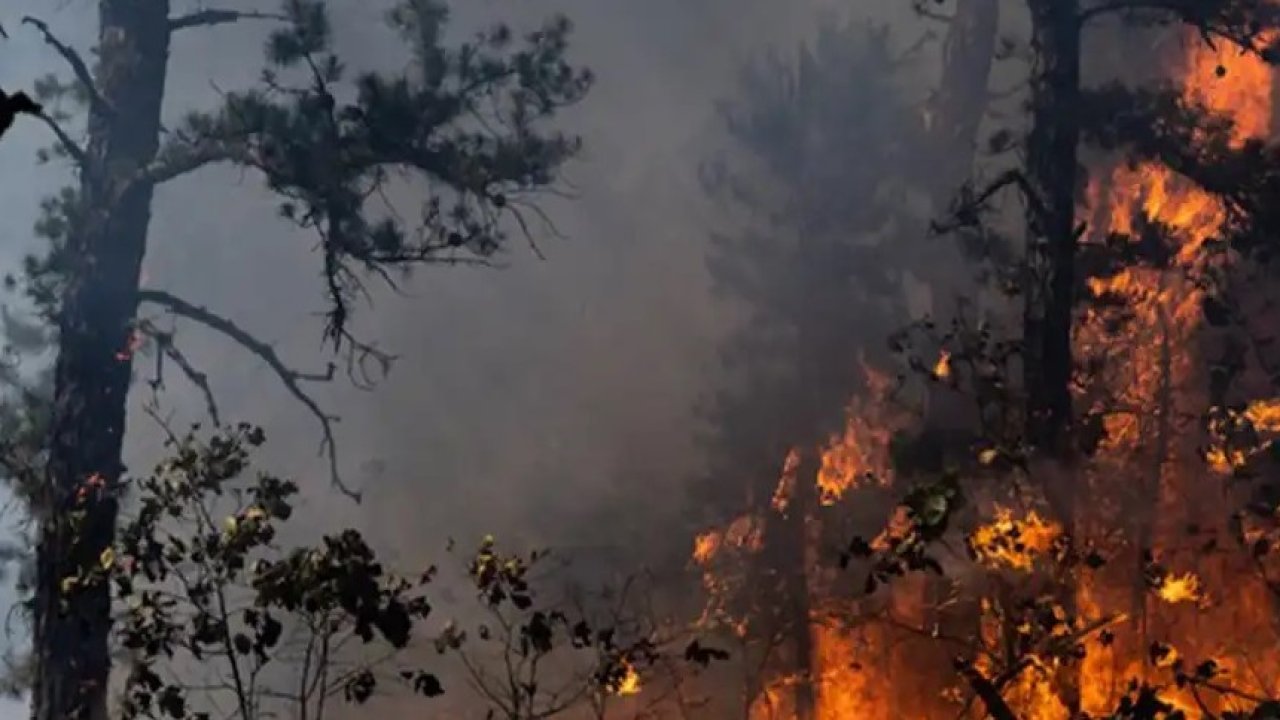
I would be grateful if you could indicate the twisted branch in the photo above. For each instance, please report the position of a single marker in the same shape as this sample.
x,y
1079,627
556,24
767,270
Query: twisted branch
x,y
292,379
96,102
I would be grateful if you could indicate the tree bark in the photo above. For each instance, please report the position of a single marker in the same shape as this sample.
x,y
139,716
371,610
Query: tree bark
x,y
798,591
1051,241
1052,175
106,243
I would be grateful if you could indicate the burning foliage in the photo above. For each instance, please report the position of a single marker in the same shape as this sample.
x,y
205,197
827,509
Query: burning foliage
x,y
1132,575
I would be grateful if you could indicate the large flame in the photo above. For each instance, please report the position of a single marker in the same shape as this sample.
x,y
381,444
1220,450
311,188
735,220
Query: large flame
x,y
1147,487
1155,382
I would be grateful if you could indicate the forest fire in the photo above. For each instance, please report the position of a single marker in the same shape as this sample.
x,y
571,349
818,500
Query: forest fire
x,y
1154,507
1160,386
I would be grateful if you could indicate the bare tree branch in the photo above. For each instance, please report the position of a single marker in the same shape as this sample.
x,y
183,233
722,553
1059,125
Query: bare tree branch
x,y
70,146
169,349
292,379
973,201
211,17
78,66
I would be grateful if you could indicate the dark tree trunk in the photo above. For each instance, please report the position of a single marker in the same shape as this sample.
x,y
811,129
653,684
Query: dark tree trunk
x,y
800,620
1051,242
1052,175
1275,104
106,245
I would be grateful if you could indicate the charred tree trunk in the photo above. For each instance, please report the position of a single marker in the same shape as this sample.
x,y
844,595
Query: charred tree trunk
x,y
800,615
1052,172
789,557
1052,175
92,375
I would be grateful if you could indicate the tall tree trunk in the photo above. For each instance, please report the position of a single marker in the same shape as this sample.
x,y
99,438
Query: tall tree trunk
x,y
962,98
1052,174
1051,241
803,503
92,374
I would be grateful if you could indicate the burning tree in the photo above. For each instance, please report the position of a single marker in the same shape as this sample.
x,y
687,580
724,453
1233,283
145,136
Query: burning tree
x,y
1123,376
810,266
1106,531
468,121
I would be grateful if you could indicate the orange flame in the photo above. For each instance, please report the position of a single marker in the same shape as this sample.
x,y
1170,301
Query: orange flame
x,y
630,682
1014,543
1153,378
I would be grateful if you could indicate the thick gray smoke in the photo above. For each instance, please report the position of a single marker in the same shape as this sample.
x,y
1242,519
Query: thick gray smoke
x,y
537,400
552,401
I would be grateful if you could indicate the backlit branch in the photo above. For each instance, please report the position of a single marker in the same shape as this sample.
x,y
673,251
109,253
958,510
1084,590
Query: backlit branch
x,y
1194,143
211,17
971,203
292,379
78,66
1239,22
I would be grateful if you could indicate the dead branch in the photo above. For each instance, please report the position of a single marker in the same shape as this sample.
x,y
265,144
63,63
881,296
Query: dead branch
x,y
96,102
972,202
70,146
169,349
292,379
211,17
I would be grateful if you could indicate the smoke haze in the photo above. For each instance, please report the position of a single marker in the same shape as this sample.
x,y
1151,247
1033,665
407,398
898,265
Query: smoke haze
x,y
550,400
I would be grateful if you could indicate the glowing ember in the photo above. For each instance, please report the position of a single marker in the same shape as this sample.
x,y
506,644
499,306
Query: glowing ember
x,y
705,547
942,368
1176,589
630,682
787,482
1264,415
1014,543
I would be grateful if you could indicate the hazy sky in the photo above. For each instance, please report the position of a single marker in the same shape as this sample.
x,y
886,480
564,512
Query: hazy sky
x,y
527,400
